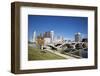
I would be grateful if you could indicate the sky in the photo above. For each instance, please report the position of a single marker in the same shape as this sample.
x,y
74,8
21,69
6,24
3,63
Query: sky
x,y
65,26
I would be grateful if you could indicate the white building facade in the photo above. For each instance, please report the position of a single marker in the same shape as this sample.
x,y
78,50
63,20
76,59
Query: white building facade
x,y
78,37
34,37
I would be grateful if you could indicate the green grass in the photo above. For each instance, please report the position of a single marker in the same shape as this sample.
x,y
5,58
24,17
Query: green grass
x,y
36,54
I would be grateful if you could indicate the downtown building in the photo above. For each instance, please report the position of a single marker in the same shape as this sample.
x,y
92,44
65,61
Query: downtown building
x,y
78,37
47,37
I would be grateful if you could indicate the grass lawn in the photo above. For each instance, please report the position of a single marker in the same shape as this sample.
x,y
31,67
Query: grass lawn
x,y
36,54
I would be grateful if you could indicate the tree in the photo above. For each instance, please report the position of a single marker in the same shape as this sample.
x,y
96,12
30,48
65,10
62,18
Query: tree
x,y
78,46
40,42
85,45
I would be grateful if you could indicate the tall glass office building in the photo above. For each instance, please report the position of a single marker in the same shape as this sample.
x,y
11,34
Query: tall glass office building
x,y
78,37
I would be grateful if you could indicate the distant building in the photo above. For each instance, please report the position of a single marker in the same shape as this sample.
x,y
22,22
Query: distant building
x,y
47,37
47,34
78,37
34,37
52,36
59,39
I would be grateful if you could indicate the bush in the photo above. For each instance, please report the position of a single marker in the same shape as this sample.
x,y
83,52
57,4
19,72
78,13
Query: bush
x,y
78,46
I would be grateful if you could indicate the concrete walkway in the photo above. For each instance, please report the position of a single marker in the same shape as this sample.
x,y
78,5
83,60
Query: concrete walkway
x,y
57,53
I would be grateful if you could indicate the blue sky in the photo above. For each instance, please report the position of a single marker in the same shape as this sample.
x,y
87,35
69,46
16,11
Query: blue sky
x,y
65,26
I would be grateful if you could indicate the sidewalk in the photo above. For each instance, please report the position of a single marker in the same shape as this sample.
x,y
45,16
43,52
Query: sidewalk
x,y
57,53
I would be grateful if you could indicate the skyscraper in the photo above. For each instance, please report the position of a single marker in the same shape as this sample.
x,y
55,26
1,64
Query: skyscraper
x,y
78,37
47,34
34,36
52,36
47,37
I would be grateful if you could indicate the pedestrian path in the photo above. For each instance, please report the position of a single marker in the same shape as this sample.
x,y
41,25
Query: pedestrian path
x,y
57,53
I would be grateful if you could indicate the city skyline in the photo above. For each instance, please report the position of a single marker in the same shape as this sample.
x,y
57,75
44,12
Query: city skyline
x,y
65,26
